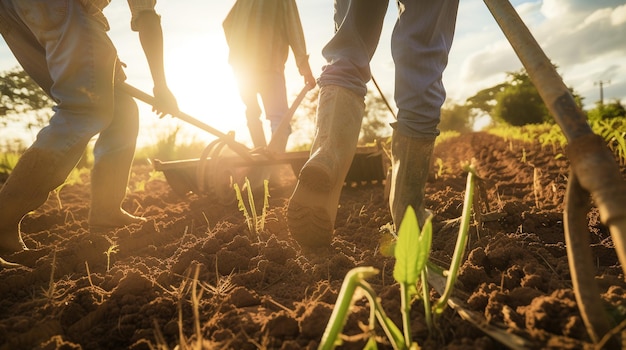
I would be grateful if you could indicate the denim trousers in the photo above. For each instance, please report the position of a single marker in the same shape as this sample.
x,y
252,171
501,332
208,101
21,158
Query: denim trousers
x,y
69,54
420,43
270,86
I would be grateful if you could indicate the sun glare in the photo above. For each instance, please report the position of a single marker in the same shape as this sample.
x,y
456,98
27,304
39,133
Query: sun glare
x,y
203,82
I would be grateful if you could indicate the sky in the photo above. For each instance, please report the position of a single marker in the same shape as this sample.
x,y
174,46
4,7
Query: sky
x,y
585,39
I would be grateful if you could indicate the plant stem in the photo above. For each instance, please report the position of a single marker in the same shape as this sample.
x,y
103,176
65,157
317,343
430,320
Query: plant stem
x,y
353,279
405,309
391,330
426,298
461,241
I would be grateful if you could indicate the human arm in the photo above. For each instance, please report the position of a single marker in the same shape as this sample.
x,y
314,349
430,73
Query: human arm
x,y
148,24
295,37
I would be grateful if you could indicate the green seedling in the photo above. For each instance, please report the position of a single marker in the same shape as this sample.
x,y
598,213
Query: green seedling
x,y
51,293
613,131
411,252
354,281
412,269
96,289
461,241
111,250
614,136
256,223
439,163
140,186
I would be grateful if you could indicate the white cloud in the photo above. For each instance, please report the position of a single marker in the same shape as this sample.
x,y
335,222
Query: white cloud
x,y
585,39
554,8
618,16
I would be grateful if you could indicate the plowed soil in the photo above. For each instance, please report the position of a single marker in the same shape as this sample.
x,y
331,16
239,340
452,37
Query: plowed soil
x,y
194,273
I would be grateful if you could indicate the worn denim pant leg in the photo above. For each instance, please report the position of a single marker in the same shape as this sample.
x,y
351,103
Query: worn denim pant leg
x,y
270,86
69,54
273,93
358,26
421,42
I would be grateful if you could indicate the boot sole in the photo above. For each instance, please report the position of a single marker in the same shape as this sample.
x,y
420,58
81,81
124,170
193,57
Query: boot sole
x,y
309,226
316,177
307,217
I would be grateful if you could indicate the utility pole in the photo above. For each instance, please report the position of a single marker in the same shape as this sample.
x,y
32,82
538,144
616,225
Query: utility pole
x,y
601,83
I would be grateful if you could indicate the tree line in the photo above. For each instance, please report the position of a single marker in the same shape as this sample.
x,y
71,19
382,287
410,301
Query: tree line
x,y
514,102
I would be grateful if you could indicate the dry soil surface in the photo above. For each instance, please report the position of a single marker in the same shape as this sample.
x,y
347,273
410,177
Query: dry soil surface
x,y
195,273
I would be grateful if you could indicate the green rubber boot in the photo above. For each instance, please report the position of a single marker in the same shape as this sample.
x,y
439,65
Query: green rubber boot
x,y
313,205
411,159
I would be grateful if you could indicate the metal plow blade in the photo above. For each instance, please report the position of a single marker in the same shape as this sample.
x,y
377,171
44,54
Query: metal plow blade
x,y
214,177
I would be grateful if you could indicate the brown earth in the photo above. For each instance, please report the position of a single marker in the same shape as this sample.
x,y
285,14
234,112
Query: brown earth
x,y
261,291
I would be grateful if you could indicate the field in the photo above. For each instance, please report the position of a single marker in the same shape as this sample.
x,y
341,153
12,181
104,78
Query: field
x,y
195,274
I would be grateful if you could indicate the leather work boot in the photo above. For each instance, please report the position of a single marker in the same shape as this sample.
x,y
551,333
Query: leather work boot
x,y
109,181
313,205
37,172
411,159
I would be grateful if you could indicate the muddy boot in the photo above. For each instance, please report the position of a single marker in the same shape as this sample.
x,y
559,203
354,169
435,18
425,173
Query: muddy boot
x,y
410,165
313,205
109,181
37,173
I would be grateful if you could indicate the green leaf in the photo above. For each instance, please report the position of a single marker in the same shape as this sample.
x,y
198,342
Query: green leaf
x,y
425,243
406,250
371,344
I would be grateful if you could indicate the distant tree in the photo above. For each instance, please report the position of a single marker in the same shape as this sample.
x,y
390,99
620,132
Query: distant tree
x,y
485,100
22,101
519,103
614,109
24,109
455,117
515,102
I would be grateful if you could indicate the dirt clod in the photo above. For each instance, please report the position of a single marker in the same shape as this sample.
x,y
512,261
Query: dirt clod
x,y
260,290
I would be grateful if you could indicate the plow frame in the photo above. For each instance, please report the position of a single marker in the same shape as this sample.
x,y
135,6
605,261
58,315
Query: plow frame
x,y
225,161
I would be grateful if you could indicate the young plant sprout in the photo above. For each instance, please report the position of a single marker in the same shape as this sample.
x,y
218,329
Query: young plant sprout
x,y
255,223
411,252
412,269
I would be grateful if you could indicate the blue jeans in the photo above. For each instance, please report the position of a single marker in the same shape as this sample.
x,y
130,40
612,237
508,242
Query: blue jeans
x,y
68,53
420,44
270,86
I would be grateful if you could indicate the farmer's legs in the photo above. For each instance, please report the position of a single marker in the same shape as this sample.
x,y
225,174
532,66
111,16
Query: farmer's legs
x,y
248,91
273,93
313,206
421,42
113,155
80,63
349,51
